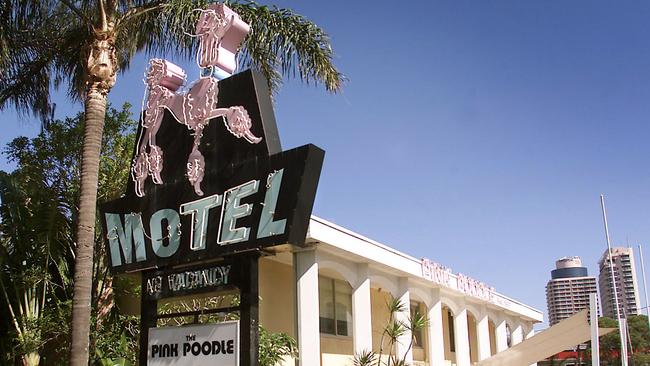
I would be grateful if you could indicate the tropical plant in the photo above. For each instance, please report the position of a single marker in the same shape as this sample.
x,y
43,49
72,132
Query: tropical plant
x,y
390,336
637,326
38,210
275,346
84,44
639,337
365,358
35,245
641,359
116,341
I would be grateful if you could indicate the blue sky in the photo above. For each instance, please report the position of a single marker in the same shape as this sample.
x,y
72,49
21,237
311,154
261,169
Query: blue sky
x,y
479,134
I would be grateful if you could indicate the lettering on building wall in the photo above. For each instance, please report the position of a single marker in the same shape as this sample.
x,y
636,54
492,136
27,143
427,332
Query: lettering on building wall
x,y
436,272
442,275
473,287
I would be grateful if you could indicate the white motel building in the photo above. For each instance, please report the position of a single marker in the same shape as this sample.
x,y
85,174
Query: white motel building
x,y
331,296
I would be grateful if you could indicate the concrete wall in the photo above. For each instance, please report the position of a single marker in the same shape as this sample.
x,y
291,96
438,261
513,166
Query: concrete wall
x,y
277,306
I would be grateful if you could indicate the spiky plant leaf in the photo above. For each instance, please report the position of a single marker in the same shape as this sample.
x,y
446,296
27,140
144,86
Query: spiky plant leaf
x,y
365,358
395,305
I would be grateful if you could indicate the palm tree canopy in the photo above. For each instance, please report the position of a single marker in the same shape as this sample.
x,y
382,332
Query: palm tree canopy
x,y
45,44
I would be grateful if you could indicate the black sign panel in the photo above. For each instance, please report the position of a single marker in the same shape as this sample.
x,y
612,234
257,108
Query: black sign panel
x,y
253,195
216,276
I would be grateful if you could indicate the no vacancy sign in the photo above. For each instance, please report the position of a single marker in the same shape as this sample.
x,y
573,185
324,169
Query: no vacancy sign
x,y
196,345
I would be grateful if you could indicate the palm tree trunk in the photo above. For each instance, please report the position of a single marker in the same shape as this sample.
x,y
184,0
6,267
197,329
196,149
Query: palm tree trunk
x,y
95,110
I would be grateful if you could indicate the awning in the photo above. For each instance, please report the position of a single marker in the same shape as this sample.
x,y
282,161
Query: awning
x,y
562,336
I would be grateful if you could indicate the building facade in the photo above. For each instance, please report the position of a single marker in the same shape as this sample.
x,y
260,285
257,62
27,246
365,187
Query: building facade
x,y
626,284
568,290
331,296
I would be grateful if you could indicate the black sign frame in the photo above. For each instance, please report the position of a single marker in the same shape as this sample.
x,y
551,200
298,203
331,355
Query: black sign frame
x,y
245,277
301,172
229,162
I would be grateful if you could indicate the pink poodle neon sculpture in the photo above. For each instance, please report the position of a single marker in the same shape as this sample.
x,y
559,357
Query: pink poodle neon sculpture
x,y
220,32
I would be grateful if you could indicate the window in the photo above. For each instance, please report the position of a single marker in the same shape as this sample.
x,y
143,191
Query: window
x,y
335,306
417,334
452,336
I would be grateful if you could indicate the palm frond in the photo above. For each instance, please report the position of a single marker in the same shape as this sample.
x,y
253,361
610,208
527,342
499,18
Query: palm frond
x,y
37,42
43,43
282,42
70,65
157,27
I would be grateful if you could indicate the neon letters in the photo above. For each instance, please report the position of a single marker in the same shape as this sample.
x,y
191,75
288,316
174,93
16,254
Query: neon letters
x,y
127,232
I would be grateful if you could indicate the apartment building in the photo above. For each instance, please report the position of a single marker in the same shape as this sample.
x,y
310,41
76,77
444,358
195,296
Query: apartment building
x,y
568,290
624,271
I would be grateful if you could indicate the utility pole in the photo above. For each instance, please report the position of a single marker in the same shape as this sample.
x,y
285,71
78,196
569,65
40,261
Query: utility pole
x,y
621,331
645,287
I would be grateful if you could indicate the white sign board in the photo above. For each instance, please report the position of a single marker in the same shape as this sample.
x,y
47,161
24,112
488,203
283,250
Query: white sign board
x,y
196,345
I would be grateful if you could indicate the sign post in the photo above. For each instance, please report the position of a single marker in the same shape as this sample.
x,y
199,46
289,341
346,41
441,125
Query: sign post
x,y
250,340
148,319
210,191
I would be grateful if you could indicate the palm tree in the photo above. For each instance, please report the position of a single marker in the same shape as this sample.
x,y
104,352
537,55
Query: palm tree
x,y
84,44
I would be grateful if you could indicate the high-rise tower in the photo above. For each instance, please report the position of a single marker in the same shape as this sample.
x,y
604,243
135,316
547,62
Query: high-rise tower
x,y
625,278
568,290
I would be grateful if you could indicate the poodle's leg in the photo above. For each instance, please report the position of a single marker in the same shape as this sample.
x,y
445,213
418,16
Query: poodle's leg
x,y
196,164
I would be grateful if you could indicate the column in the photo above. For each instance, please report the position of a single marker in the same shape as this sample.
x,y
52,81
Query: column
x,y
530,332
402,349
483,335
361,312
435,332
502,336
307,308
517,334
461,337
